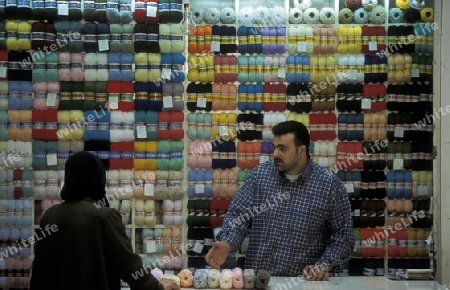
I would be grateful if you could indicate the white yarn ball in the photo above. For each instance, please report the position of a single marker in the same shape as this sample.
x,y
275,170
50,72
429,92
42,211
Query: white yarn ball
x,y
261,16
302,4
211,15
377,15
197,14
246,16
327,15
278,15
311,16
369,4
227,15
417,4
295,16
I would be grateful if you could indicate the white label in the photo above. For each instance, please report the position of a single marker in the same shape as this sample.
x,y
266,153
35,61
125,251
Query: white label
x,y
282,73
263,158
198,247
141,131
185,1
357,212
113,102
151,11
150,245
167,102
201,102
373,46
103,45
63,9
352,74
415,72
149,189
349,187
301,46
199,188
2,72
323,161
398,164
423,189
169,272
52,160
51,100
399,132
366,104
62,184
215,46
223,130
166,73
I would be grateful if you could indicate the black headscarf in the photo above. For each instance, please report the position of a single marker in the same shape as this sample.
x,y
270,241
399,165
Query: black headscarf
x,y
84,177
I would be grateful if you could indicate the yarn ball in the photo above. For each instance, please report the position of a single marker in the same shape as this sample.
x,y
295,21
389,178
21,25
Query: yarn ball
x,y
395,15
302,4
402,4
369,4
261,15
361,16
278,16
295,16
246,16
227,15
327,15
411,15
377,15
197,14
427,14
211,15
345,16
311,16
353,4
417,4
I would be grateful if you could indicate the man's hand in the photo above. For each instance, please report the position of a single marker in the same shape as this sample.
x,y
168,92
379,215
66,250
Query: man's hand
x,y
315,273
218,253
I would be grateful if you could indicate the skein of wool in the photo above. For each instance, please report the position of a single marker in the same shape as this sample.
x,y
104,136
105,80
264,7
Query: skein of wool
x,y
176,11
75,13
100,6
140,37
112,12
89,11
90,38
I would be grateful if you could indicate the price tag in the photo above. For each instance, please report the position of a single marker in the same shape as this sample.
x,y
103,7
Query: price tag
x,y
399,132
166,73
2,72
167,102
151,11
301,46
352,74
223,130
323,161
282,73
103,45
263,158
398,164
423,189
149,189
198,247
357,212
150,245
113,102
201,102
63,9
199,188
52,160
141,131
415,72
215,46
349,187
373,46
366,104
51,100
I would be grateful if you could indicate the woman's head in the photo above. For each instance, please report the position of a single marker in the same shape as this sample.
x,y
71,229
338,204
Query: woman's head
x,y
84,177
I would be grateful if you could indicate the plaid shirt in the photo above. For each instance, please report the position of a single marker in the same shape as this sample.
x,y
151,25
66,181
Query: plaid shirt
x,y
290,224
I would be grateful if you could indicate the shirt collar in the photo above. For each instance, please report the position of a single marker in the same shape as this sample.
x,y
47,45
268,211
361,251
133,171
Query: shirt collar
x,y
302,177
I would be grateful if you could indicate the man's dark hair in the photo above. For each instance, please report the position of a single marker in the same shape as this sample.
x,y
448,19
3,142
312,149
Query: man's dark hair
x,y
301,133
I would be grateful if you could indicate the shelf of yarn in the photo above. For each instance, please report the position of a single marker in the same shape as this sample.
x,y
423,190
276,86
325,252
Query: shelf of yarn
x,y
311,12
411,11
208,12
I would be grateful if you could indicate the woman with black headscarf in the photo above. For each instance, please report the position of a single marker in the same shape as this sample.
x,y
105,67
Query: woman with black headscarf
x,y
88,248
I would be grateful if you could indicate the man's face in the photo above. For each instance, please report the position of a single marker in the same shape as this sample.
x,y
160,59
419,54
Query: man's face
x,y
287,156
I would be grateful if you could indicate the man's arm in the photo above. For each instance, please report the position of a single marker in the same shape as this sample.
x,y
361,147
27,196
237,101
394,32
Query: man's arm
x,y
341,242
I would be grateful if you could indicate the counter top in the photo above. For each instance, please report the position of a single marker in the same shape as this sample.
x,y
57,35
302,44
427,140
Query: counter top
x,y
352,283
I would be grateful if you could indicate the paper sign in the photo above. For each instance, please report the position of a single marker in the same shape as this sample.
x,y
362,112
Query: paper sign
x,y
149,189
141,131
301,46
366,104
373,46
52,160
349,187
150,245
198,247
151,11
166,73
282,73
199,188
398,164
223,130
167,102
399,132
113,102
51,100
63,9
215,46
103,45
201,102
263,158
